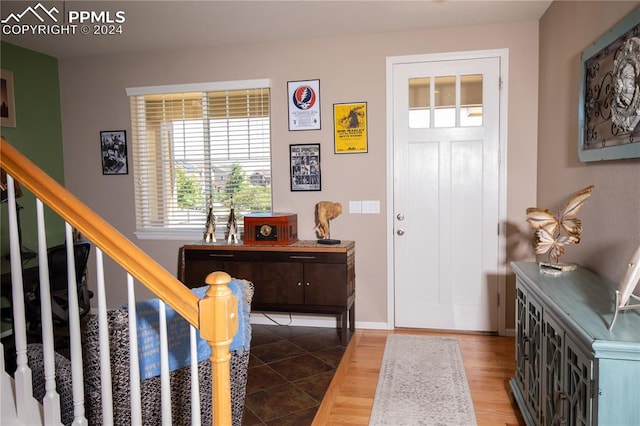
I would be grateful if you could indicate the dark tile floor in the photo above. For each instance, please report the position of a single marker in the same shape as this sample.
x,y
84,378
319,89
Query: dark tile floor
x,y
289,372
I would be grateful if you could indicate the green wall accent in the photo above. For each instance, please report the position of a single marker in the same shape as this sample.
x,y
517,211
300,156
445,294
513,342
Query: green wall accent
x,y
38,134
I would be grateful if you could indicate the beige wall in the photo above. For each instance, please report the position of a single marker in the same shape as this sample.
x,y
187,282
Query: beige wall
x,y
350,69
611,217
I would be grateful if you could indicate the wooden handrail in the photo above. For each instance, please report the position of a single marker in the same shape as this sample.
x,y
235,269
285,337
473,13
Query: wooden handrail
x,y
135,261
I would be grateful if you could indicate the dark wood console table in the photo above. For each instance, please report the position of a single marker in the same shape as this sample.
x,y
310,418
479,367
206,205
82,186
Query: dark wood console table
x,y
304,277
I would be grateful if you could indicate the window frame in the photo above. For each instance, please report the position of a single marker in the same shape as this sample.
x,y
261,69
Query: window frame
x,y
168,233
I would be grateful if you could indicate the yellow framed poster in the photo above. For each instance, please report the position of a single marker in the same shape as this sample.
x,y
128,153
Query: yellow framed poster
x,y
350,128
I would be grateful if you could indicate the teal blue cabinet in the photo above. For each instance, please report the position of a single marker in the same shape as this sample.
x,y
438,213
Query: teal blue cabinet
x,y
570,369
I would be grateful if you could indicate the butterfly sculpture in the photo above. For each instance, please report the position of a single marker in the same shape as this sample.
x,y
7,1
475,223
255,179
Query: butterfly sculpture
x,y
554,231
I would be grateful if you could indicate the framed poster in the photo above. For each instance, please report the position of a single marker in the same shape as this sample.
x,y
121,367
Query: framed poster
x,y
350,128
304,104
305,167
7,100
609,100
113,146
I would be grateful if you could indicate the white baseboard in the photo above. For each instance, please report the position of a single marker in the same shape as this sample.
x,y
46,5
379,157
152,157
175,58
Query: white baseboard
x,y
271,318
308,320
301,320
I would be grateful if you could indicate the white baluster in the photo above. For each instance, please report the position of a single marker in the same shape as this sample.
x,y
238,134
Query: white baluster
x,y
165,385
7,403
134,376
74,332
195,381
27,408
51,400
103,336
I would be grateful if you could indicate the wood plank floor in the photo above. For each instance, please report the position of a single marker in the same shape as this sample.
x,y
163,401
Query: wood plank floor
x,y
488,361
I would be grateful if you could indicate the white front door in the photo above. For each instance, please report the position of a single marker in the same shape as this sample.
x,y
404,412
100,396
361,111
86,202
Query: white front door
x,y
446,193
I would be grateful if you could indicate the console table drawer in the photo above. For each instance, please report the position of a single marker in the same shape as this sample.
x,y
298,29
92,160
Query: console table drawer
x,y
208,255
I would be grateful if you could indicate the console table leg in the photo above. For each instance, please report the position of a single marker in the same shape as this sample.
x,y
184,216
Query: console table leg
x,y
344,338
352,317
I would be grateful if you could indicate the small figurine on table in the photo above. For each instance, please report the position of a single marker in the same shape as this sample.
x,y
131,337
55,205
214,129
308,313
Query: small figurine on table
x,y
210,227
325,212
232,226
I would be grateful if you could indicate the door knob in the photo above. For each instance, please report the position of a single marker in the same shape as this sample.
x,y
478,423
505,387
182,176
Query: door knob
x,y
400,232
400,217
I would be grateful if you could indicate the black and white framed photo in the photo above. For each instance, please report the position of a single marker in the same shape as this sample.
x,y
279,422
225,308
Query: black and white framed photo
x,y
304,104
113,144
305,167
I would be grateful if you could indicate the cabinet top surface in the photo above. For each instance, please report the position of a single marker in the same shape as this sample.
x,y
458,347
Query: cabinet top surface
x,y
587,299
301,245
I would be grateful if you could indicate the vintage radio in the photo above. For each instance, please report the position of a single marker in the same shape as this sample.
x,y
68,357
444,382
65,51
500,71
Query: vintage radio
x,y
271,228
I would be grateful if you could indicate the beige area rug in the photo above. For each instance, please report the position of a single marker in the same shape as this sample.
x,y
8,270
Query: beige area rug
x,y
422,382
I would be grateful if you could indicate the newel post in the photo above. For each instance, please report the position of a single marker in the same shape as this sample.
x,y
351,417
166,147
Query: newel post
x,y
218,325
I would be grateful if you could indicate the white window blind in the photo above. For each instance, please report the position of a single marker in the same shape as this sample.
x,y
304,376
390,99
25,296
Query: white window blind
x,y
195,143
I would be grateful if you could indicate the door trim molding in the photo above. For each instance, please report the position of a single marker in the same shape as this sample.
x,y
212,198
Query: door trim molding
x,y
501,267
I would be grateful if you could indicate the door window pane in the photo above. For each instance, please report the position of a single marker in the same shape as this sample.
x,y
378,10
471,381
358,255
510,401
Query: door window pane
x,y
471,100
419,102
445,101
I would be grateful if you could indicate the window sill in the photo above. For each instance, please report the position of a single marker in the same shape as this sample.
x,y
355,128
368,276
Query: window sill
x,y
170,234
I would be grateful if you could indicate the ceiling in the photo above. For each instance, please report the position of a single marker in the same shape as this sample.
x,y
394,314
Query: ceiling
x,y
150,25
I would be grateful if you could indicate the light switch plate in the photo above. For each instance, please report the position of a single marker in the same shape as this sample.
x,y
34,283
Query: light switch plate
x,y
355,206
371,206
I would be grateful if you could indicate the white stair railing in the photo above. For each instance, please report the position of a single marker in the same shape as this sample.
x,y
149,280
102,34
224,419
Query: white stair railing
x,y
19,407
29,411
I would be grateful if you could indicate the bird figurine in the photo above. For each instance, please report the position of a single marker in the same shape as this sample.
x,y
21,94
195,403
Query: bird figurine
x,y
232,226
210,227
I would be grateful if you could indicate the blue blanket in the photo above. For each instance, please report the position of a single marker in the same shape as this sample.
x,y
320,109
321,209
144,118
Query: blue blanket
x,y
178,332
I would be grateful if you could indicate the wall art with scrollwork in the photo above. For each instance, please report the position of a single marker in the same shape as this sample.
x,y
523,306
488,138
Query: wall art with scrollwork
x,y
609,106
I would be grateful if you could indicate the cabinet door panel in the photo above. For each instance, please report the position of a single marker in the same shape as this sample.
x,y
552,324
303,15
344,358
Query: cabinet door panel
x,y
534,357
522,340
553,371
243,270
578,383
198,270
325,284
281,283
